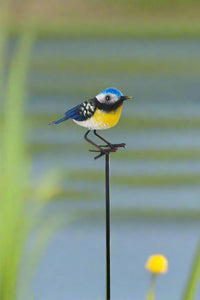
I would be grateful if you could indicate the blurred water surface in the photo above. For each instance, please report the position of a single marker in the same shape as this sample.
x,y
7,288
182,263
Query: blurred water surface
x,y
159,171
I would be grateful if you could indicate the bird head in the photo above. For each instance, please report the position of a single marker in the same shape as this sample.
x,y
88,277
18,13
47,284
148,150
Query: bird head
x,y
109,99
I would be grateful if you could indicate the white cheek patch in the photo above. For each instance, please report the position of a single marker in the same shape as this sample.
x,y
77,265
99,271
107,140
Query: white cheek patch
x,y
102,98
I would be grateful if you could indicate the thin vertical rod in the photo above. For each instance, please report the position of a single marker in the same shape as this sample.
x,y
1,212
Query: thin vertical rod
x,y
107,190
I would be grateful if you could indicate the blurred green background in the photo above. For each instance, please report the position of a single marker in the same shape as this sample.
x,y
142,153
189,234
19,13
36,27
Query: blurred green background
x,y
149,50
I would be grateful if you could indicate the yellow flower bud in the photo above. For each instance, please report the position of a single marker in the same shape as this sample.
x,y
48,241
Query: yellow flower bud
x,y
157,264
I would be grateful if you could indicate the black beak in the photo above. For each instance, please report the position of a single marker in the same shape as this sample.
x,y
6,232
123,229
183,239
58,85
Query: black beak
x,y
123,98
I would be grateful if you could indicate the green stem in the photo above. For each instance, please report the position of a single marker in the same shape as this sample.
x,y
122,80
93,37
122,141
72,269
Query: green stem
x,y
150,293
193,279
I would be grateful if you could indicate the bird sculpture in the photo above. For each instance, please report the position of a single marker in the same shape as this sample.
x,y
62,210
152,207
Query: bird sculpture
x,y
98,113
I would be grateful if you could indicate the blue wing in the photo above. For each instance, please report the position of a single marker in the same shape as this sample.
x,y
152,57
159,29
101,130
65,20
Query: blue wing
x,y
80,112
74,113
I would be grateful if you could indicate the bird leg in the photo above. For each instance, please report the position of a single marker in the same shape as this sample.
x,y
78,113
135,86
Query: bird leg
x,y
112,146
100,149
91,142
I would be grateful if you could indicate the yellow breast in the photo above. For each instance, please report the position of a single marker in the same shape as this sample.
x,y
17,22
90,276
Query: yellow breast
x,y
106,120
101,119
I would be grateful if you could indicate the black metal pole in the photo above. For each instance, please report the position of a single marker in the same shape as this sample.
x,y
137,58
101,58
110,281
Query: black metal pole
x,y
106,150
107,190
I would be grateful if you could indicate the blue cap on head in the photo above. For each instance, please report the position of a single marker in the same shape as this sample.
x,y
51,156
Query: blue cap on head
x,y
112,91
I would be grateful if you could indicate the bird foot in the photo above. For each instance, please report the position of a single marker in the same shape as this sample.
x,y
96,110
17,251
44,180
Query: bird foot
x,y
112,146
122,145
106,149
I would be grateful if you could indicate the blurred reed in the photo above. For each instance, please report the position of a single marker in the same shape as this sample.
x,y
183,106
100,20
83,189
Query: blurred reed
x,y
20,206
193,277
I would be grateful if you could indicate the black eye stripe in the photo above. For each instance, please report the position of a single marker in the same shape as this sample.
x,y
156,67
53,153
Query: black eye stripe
x,y
107,97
